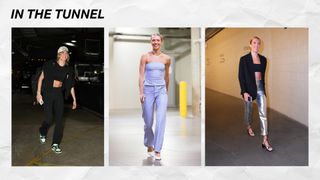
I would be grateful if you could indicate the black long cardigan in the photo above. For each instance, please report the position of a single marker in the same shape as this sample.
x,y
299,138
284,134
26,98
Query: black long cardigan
x,y
247,77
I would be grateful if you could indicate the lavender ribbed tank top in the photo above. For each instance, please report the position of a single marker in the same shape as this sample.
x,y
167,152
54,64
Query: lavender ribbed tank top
x,y
154,74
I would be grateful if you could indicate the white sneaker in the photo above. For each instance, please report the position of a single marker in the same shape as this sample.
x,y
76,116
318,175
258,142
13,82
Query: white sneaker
x,y
42,139
55,148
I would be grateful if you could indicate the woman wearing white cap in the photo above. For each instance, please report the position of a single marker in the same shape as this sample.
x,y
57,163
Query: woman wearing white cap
x,y
56,77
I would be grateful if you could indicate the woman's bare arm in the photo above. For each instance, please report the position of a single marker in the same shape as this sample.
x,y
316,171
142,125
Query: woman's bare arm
x,y
73,94
142,65
166,77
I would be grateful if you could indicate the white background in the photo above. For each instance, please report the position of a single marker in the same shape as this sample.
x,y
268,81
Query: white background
x,y
178,13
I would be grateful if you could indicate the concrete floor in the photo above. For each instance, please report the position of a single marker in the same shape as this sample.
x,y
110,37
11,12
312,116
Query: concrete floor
x,y
181,147
227,143
82,143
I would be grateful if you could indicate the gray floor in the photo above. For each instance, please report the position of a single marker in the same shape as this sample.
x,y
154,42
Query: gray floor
x,y
181,147
82,143
227,143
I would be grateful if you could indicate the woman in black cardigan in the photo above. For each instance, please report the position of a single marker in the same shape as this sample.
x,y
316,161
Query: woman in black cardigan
x,y
252,69
56,76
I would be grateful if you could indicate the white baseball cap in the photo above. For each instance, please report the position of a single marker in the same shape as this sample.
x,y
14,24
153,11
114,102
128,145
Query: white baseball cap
x,y
63,48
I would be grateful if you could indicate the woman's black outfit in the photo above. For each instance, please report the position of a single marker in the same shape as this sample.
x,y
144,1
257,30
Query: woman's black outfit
x,y
247,77
255,88
53,97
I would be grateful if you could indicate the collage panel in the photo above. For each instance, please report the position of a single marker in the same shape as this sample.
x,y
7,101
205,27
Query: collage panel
x,y
57,96
256,102
154,90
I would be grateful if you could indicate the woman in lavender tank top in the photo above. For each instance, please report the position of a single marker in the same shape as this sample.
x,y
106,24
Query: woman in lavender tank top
x,y
153,87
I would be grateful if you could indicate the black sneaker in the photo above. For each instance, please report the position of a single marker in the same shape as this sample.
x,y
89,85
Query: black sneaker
x,y
42,139
55,148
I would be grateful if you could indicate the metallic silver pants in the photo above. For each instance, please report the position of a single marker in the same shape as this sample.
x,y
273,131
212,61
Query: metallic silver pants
x,y
262,108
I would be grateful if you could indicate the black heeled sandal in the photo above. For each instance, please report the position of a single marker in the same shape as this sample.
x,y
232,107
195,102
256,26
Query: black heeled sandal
x,y
267,148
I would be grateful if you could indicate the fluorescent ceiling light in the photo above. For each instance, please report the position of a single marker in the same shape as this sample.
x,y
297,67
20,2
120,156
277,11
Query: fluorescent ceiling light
x,y
126,37
69,44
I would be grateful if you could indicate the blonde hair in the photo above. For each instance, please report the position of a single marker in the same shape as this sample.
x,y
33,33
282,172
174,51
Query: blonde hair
x,y
255,37
156,34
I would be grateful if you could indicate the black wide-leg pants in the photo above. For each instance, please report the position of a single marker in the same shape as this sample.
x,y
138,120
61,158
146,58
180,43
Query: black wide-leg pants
x,y
53,108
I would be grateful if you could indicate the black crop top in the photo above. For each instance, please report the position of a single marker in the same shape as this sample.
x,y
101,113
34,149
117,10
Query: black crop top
x,y
53,71
257,68
60,72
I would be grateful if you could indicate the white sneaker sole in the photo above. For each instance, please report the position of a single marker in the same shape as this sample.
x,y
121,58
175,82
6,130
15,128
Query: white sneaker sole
x,y
57,152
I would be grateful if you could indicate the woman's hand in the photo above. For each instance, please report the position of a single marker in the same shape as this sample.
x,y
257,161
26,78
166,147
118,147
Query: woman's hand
x,y
74,105
246,97
142,98
39,98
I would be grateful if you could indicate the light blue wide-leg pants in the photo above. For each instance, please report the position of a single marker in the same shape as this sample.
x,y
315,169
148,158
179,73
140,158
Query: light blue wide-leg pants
x,y
156,99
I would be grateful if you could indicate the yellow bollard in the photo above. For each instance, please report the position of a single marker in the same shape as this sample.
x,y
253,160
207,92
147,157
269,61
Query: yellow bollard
x,y
183,99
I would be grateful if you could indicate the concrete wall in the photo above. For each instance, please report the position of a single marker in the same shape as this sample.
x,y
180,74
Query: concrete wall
x,y
287,72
